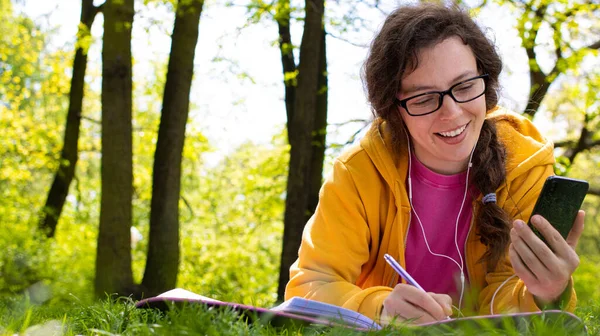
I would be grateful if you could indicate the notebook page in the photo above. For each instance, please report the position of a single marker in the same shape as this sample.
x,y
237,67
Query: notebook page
x,y
298,305
180,293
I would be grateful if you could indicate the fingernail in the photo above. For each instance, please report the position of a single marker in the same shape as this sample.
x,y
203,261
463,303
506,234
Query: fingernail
x,y
448,310
535,219
519,224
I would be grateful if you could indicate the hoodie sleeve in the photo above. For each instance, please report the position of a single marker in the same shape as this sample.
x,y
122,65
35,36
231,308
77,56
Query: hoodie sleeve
x,y
508,292
335,246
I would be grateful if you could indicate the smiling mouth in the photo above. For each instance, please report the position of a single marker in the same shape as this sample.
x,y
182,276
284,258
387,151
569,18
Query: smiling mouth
x,y
453,133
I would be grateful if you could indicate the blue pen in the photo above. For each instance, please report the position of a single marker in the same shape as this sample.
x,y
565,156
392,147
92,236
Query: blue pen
x,y
403,273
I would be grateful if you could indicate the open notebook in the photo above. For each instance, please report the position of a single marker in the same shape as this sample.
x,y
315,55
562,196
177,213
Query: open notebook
x,y
320,310
305,311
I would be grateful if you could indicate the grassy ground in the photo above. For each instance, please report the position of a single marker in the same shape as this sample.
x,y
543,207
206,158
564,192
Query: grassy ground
x,y
124,319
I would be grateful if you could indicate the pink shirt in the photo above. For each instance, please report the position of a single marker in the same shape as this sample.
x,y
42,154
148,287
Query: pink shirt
x,y
437,200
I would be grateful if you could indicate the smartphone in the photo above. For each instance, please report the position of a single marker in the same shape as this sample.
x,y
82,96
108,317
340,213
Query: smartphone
x,y
558,202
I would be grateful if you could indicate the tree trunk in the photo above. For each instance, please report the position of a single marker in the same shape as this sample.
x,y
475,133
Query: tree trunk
x,y
69,154
319,134
287,59
113,259
300,132
163,246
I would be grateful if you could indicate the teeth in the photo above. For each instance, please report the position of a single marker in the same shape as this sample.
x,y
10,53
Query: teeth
x,y
454,133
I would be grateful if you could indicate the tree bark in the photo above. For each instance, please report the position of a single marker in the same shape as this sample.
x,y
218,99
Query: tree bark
x,y
163,247
68,158
113,259
287,59
300,133
582,144
319,134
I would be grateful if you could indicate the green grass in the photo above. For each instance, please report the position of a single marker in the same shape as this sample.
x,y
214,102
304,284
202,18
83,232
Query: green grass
x,y
106,318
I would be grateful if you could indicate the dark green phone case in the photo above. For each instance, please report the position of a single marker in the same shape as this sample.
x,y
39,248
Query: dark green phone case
x,y
558,202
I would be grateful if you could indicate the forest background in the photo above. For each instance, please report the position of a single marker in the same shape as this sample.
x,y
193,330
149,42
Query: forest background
x,y
139,153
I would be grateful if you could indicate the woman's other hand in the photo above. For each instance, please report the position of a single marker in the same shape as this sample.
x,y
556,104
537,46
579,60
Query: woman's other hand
x,y
407,302
545,270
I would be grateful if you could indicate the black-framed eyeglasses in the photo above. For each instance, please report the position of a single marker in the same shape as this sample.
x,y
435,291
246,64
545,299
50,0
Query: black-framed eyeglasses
x,y
429,102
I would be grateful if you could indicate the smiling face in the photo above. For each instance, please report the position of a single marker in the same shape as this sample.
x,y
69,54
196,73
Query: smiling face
x,y
443,140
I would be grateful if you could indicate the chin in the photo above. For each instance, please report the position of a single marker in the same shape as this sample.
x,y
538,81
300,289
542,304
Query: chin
x,y
462,157
460,160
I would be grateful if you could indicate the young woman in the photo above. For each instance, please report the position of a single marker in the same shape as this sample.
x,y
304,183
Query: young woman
x,y
444,182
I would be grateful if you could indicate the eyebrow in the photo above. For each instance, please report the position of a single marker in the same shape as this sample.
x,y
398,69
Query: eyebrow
x,y
458,78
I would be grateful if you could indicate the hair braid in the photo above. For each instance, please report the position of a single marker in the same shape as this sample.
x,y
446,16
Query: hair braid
x,y
489,173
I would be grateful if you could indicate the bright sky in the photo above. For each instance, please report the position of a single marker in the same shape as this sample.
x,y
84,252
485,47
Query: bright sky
x,y
232,109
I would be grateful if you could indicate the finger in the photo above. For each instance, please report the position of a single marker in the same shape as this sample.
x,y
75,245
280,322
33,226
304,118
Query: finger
x,y
413,313
445,301
553,237
388,317
426,302
576,230
519,266
396,305
534,253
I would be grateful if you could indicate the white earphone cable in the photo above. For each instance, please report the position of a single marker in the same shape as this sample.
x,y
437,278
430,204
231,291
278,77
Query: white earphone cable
x,y
496,292
461,265
462,273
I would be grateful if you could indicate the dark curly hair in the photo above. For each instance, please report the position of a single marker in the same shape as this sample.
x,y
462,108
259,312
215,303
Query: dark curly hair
x,y
394,54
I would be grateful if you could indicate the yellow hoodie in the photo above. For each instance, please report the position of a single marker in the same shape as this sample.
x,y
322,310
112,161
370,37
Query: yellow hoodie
x,y
364,212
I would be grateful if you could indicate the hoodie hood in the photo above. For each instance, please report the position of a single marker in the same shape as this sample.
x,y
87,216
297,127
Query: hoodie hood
x,y
378,145
526,147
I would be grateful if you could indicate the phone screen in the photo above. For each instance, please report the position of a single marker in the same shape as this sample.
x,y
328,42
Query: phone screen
x,y
559,202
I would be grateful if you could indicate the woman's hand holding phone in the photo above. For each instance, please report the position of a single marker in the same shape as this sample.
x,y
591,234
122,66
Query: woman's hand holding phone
x,y
545,269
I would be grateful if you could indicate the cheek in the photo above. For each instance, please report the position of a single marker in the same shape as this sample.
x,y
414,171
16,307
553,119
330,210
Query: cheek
x,y
418,127
478,110
409,122
482,106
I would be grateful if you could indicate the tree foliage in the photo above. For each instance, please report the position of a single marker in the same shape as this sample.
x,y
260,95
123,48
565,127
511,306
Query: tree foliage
x,y
231,246
32,89
573,32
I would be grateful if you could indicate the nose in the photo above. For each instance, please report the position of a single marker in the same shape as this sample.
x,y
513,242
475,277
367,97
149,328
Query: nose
x,y
449,109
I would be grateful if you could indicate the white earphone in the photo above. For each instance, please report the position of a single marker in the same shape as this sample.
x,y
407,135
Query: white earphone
x,y
496,292
461,265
